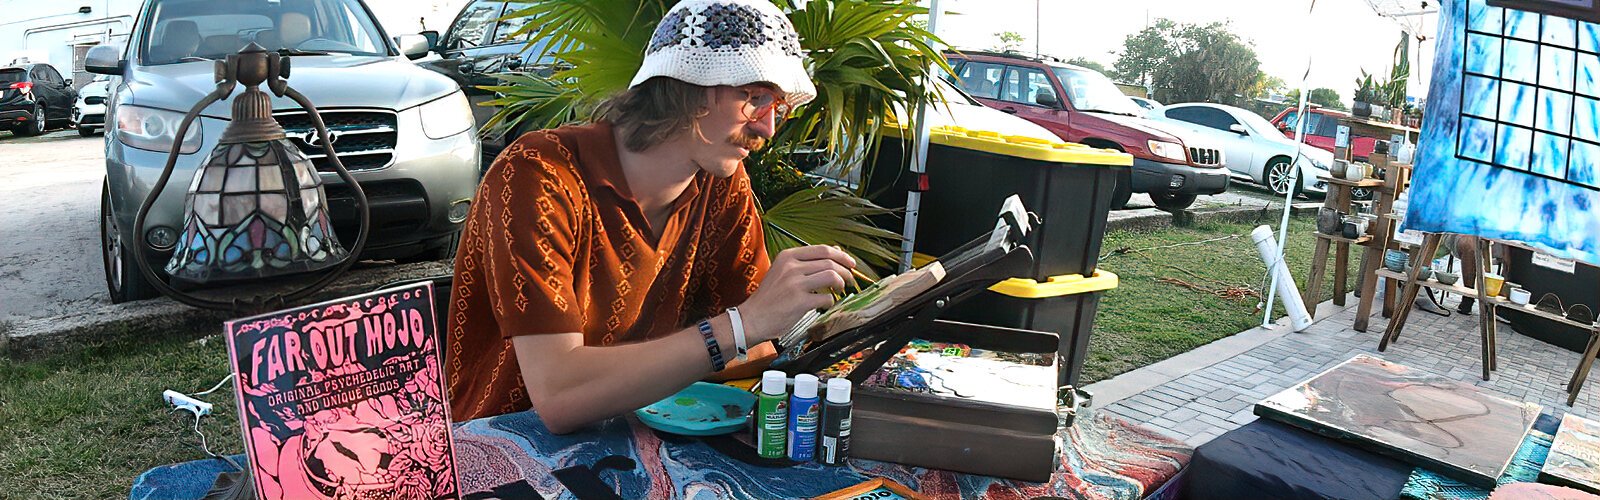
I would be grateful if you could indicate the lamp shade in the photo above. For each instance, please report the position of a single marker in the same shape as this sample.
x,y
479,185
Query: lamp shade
x,y
254,210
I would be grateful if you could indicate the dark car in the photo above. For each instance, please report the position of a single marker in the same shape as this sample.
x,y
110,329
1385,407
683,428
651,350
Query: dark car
x,y
1169,163
34,98
477,46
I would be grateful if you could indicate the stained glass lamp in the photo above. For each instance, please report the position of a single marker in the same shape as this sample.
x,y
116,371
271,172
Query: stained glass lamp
x,y
256,209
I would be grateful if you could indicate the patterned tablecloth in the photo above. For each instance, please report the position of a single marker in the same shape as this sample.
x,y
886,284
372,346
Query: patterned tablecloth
x,y
1102,458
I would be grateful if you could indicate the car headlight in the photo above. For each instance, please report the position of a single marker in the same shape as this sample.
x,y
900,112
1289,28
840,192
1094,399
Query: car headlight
x,y
153,129
446,116
1313,163
1168,150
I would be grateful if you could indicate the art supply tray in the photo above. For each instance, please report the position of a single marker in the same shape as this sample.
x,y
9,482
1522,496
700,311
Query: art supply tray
x,y
966,426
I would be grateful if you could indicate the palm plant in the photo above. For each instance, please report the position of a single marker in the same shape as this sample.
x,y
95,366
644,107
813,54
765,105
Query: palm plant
x,y
867,57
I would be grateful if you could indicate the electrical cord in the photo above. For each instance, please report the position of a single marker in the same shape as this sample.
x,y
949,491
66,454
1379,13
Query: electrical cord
x,y
214,387
204,445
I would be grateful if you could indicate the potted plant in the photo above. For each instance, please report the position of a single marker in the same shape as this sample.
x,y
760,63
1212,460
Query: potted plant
x,y
1366,93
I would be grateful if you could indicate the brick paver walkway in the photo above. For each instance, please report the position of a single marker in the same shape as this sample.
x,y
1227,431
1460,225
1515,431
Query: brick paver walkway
x,y
1214,399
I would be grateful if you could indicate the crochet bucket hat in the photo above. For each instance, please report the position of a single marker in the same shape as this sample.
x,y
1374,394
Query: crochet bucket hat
x,y
728,42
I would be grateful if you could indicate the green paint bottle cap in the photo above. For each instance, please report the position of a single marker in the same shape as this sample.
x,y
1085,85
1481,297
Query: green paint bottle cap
x,y
774,383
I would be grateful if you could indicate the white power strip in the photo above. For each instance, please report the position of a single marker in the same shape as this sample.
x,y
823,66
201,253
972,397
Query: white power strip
x,y
184,402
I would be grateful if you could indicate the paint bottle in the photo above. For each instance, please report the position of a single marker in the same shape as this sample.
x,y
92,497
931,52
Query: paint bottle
x,y
772,414
835,445
803,413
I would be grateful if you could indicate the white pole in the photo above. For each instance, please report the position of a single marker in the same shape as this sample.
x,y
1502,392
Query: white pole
x,y
1288,199
919,163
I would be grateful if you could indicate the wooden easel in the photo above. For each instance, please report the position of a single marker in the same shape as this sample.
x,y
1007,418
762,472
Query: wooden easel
x,y
1420,258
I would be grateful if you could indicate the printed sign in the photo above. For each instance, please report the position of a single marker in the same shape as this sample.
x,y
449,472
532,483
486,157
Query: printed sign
x,y
1341,138
1568,266
345,399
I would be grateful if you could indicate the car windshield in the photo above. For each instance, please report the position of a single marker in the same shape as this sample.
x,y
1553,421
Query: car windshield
x,y
12,76
1091,91
192,30
1255,122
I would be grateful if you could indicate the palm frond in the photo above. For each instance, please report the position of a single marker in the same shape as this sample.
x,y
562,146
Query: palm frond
x,y
831,216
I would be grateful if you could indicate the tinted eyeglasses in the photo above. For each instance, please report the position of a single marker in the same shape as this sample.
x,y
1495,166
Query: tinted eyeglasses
x,y
759,100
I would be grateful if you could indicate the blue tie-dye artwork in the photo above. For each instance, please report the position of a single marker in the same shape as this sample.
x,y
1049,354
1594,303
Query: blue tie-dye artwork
x,y
1510,148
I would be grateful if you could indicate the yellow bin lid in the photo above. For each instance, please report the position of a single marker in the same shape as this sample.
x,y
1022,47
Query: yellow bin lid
x,y
1057,286
1019,146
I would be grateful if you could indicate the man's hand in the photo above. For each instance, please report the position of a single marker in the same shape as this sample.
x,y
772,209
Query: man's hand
x,y
799,281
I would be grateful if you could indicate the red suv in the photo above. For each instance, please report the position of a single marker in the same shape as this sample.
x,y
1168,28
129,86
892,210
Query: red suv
x,y
1323,129
1168,162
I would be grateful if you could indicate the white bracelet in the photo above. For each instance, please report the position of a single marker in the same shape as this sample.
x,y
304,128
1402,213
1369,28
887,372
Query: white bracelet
x,y
738,333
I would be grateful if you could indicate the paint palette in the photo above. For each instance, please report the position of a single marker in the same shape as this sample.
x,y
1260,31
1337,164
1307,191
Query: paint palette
x,y
702,409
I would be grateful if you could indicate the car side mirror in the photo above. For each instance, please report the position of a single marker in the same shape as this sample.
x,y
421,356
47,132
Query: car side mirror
x,y
1238,129
104,60
432,37
69,82
1047,99
413,46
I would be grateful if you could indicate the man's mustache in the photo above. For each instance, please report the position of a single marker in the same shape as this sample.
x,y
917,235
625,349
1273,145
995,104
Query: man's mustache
x,y
750,142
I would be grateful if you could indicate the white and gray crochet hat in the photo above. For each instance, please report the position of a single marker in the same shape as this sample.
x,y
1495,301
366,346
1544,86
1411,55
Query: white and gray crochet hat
x,y
728,42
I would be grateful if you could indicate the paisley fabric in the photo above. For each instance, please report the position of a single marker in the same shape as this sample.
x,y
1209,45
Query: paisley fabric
x,y
1103,458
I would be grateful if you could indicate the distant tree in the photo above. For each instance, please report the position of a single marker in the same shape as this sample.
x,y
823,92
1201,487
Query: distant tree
x,y
1086,63
1145,52
1009,41
1265,86
1325,97
1209,63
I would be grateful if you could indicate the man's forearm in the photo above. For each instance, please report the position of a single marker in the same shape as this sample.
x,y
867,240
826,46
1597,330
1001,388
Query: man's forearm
x,y
572,386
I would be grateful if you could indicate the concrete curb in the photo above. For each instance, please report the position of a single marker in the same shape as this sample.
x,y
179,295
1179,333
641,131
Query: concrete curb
x,y
164,318
1120,387
1159,219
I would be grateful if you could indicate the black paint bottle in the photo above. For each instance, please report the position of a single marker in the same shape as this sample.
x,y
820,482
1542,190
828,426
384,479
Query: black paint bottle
x,y
836,423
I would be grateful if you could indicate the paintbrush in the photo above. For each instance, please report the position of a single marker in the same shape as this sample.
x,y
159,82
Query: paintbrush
x,y
860,277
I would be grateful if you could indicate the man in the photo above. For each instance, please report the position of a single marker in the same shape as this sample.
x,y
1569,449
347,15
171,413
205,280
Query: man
x,y
599,268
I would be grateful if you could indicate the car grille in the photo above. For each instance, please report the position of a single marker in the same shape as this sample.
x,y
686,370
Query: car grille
x,y
364,139
1205,157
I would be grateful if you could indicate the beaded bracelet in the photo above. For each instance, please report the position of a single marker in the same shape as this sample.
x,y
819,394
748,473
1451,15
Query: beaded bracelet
x,y
717,363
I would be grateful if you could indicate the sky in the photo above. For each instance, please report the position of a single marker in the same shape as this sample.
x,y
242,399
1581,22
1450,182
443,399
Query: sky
x,y
1341,38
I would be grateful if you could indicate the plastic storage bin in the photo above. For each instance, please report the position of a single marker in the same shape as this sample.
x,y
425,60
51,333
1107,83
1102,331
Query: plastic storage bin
x,y
1069,186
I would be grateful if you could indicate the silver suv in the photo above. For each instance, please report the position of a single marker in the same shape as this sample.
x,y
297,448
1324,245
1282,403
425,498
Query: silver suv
x,y
405,133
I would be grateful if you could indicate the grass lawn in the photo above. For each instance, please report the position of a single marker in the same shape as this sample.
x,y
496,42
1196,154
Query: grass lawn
x,y
86,423
1144,320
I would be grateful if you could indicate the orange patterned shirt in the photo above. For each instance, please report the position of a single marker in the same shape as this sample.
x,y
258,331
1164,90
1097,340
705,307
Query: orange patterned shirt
x,y
557,244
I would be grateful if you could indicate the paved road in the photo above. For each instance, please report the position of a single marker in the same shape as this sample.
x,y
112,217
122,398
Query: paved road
x,y
49,226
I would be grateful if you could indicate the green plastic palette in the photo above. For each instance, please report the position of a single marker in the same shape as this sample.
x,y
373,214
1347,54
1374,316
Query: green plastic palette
x,y
702,409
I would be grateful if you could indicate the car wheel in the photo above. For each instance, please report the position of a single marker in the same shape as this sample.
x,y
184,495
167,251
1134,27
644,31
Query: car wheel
x,y
1173,202
37,126
1279,176
124,281
1123,191
1361,194
85,131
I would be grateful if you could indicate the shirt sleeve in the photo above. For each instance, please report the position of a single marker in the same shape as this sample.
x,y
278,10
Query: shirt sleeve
x,y
530,216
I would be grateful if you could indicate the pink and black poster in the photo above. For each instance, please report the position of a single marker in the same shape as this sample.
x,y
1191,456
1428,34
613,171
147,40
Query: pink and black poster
x,y
345,399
